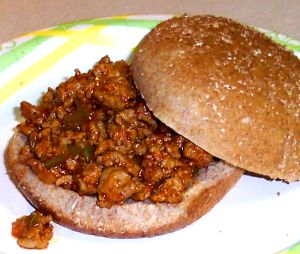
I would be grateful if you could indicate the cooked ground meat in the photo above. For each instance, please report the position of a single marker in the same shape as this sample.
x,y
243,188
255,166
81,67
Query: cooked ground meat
x,y
33,231
94,135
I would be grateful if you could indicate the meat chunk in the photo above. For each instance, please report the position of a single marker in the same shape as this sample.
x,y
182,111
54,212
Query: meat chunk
x,y
31,112
89,180
200,157
116,93
171,191
111,158
116,185
33,231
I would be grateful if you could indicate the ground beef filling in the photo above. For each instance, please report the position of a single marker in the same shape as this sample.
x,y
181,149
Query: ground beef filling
x,y
33,231
94,135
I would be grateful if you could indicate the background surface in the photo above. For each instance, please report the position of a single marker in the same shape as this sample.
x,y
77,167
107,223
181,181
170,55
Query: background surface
x,y
21,16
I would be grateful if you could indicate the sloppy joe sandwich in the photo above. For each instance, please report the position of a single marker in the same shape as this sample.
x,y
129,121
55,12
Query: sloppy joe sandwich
x,y
94,156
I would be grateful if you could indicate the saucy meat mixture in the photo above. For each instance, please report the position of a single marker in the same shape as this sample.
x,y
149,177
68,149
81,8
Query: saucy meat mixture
x,y
33,231
94,135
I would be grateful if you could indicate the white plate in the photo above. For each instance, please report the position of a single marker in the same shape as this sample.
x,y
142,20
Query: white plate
x,y
252,218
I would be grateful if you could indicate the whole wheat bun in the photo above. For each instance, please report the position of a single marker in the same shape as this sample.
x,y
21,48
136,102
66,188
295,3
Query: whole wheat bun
x,y
228,88
133,219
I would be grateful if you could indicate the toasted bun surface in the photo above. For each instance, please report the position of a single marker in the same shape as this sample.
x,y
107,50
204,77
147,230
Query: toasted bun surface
x,y
226,87
136,219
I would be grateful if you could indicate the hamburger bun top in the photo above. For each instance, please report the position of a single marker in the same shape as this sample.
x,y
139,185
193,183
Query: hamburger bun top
x,y
228,88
